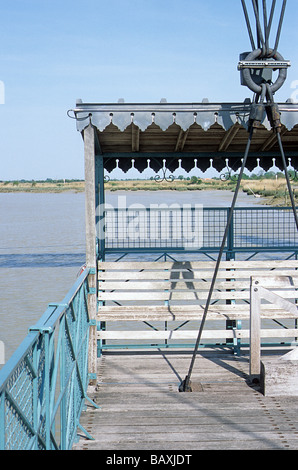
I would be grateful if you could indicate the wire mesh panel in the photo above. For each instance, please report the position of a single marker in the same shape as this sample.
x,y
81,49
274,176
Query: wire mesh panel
x,y
215,221
20,401
173,228
270,228
200,229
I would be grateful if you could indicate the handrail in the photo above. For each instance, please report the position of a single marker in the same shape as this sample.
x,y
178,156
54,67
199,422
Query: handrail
x,y
43,385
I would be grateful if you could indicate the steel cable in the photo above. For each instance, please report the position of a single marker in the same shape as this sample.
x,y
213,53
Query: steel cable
x,y
261,41
185,385
250,33
264,43
263,38
266,26
271,17
292,198
280,26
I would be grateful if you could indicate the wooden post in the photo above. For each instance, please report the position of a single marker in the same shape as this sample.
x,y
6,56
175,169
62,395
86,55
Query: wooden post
x,y
100,226
91,261
255,329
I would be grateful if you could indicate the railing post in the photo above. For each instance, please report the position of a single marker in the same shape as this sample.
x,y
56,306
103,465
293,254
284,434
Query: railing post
x,y
230,238
63,411
35,392
100,205
255,329
2,420
232,324
47,388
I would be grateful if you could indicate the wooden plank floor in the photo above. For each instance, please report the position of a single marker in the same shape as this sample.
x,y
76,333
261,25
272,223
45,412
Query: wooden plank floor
x,y
141,408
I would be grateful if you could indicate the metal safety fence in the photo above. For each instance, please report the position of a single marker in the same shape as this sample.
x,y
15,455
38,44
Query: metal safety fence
x,y
43,386
199,229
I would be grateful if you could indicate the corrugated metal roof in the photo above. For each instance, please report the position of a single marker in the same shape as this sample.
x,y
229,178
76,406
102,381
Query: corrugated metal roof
x,y
205,114
187,132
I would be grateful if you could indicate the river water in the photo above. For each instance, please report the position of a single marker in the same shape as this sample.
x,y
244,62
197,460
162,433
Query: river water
x,y
42,246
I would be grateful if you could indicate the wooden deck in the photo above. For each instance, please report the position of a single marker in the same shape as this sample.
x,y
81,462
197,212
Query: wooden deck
x,y
141,408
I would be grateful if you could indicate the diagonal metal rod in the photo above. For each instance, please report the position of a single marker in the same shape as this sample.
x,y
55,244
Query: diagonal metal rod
x,y
271,16
248,25
261,40
266,29
288,179
263,37
185,385
280,25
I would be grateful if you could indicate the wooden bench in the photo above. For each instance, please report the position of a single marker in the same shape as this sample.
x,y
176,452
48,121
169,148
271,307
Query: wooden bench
x,y
177,291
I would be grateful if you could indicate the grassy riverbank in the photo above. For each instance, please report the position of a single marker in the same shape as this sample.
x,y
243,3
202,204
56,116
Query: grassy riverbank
x,y
48,186
273,190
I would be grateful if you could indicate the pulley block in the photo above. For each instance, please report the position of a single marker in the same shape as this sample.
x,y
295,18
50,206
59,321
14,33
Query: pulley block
x,y
255,70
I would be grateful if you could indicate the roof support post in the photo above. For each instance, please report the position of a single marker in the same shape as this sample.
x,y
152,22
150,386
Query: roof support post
x,y
100,206
91,259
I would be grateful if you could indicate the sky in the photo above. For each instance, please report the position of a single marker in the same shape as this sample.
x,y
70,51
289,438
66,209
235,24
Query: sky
x,y
54,52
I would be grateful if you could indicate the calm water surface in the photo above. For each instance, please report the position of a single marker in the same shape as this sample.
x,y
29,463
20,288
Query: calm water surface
x,y
42,246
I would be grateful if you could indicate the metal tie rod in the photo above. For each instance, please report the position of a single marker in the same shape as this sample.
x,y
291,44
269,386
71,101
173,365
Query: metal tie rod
x,y
263,39
185,385
288,179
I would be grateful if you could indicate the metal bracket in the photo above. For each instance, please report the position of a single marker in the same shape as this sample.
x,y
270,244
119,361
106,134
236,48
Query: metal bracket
x,y
264,64
42,329
57,305
88,436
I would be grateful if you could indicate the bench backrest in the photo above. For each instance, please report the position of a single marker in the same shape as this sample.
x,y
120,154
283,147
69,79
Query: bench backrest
x,y
189,282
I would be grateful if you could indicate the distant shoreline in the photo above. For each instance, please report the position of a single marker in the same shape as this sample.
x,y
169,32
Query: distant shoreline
x,y
272,191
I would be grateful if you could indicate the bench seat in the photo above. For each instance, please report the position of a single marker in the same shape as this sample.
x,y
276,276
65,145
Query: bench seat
x,y
183,313
177,291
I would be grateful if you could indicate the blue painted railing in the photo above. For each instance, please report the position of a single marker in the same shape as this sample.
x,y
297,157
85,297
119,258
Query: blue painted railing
x,y
43,386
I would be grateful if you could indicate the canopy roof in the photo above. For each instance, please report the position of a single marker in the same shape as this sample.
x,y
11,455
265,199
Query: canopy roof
x,y
192,134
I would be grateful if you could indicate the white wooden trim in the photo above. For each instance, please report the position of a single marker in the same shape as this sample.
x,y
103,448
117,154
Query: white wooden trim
x,y
255,333
258,292
192,334
279,282
178,266
195,275
166,335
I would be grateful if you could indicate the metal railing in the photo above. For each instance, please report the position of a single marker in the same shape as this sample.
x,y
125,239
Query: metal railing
x,y
199,229
43,386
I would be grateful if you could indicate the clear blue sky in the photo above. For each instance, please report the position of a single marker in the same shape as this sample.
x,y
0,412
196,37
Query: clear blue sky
x,y
55,51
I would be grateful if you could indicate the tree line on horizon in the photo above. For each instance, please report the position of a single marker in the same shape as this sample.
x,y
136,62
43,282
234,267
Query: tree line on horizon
x,y
192,179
